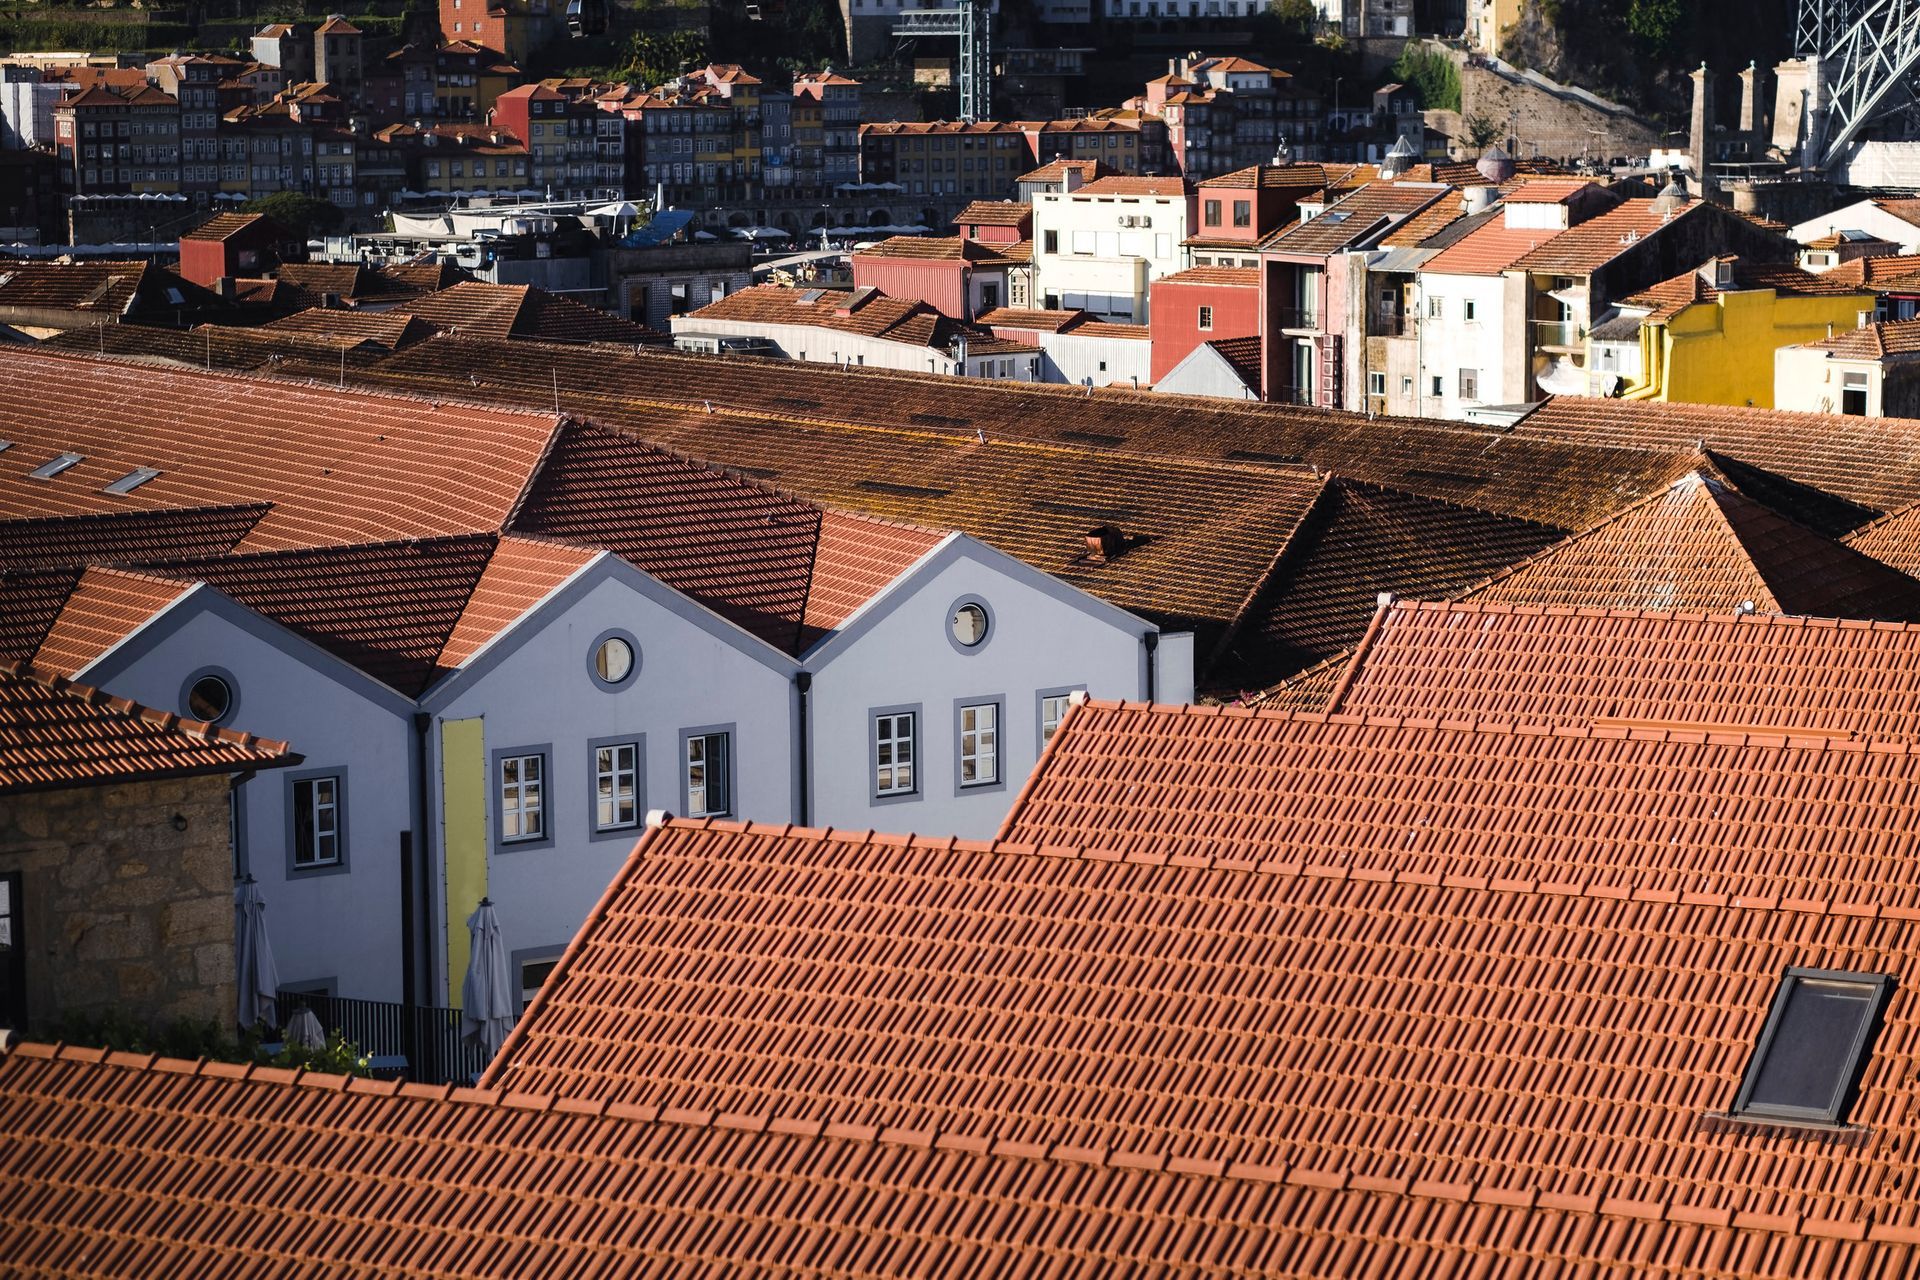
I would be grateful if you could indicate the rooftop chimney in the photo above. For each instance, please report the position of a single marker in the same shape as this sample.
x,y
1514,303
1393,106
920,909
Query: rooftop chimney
x,y
1701,129
1105,543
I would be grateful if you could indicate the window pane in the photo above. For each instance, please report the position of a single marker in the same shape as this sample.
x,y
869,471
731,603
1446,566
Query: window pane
x,y
1810,1056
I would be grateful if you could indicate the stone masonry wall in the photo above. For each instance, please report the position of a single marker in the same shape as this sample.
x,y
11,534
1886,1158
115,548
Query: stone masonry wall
x,y
121,911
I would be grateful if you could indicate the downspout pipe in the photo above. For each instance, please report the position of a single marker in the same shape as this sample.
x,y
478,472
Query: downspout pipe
x,y
1151,641
415,858
803,748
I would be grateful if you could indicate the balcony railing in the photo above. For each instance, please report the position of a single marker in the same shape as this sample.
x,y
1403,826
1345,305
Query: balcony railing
x,y
1297,317
1567,335
425,1048
1389,324
1292,395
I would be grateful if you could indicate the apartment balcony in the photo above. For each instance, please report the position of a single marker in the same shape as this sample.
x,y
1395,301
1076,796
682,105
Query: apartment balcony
x,y
1302,396
1305,319
1389,324
1559,335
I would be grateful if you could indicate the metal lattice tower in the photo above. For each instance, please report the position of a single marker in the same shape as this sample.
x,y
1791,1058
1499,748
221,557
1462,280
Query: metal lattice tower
x,y
973,24
1862,55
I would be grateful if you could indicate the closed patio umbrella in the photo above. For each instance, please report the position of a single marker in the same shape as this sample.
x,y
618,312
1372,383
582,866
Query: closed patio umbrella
x,y
304,1030
487,996
257,979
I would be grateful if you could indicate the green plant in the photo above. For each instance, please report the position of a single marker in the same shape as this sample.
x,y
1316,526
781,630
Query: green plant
x,y
340,1057
1432,75
304,215
1482,130
655,57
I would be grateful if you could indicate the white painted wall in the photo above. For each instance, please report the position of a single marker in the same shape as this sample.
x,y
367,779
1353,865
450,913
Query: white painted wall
x,y
1107,250
1039,639
1205,372
324,923
1810,380
1451,342
1074,358
1862,215
819,345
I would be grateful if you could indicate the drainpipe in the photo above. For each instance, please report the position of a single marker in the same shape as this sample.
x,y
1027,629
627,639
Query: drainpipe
x,y
1152,642
803,685
413,857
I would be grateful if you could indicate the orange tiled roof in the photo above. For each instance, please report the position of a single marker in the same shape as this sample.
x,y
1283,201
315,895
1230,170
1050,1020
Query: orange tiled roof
x,y
1874,272
92,1128
1055,170
1271,177
521,572
1243,355
1669,298
1703,545
1587,246
1353,217
1893,539
1026,318
57,734
223,226
388,329
1237,277
30,600
1425,1016
1122,184
1526,664
105,607
994,213
97,285
1488,250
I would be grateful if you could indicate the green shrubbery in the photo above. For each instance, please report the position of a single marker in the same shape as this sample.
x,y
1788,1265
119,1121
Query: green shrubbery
x,y
1430,74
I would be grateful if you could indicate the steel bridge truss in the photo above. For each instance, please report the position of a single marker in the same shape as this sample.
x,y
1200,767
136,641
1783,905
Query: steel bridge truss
x,y
973,25
1866,52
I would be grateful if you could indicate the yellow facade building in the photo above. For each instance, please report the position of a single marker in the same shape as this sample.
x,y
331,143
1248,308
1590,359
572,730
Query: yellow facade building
x,y
1709,337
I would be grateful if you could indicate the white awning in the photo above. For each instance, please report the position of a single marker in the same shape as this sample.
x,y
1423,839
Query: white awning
x,y
1563,377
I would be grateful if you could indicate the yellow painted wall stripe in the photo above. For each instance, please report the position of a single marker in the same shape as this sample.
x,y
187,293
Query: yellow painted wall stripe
x,y
463,796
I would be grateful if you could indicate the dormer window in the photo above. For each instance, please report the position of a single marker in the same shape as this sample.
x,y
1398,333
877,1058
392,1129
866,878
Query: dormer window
x,y
1813,1048
48,470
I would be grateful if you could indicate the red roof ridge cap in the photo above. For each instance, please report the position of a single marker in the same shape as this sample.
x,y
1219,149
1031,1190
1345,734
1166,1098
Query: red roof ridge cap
x,y
93,695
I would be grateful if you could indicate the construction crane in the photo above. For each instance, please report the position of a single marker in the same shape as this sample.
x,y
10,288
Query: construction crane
x,y
972,23
1861,56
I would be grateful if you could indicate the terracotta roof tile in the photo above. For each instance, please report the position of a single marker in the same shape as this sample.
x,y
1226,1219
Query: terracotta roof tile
x,y
98,285
1702,545
1355,217
1123,184
1552,1039
389,329
580,1190
1241,277
1056,170
857,558
30,600
223,226
520,574
1667,299
522,311
1873,272
994,213
124,536
337,466
1874,341
1587,246
107,605
1893,539
56,734
1693,809
1489,250
1271,177
1243,354
1025,318
1533,665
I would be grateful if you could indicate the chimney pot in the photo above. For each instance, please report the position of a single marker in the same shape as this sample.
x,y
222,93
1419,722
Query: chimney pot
x,y
1105,543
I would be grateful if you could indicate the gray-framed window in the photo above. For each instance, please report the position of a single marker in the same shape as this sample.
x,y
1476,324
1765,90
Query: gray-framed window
x,y
969,624
977,725
316,802
617,798
1050,709
893,753
532,967
13,951
613,659
706,771
522,782
1813,1046
211,694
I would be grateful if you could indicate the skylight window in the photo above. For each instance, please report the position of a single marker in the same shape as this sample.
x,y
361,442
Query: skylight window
x,y
1814,1047
133,480
48,470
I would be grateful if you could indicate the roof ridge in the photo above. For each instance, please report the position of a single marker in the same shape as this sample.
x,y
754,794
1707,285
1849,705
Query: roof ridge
x,y
1676,615
141,568
93,695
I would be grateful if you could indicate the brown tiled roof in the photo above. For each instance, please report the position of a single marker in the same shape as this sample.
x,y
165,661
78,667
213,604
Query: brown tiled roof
x,y
1023,318
1112,329
55,734
337,26
338,466
1353,217
223,347
950,248
1702,545
386,608
1426,224
30,600
1243,354
314,280
1587,246
1056,171
1239,277
1907,211
105,607
423,277
866,312
1271,177
994,213
223,226
92,1130
1211,530
96,285
1875,272
1874,341
389,329
124,536
1363,540
522,311
1524,664
856,558
1893,539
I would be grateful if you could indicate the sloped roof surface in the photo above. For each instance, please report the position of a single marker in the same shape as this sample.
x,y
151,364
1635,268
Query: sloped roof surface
x,y
1702,545
386,608
1679,808
30,600
54,733
389,329
520,573
98,285
1587,246
125,536
1670,297
1873,341
1489,250
561,1187
1372,1030
223,226
337,466
106,605
1526,664
1353,217
995,213
1893,539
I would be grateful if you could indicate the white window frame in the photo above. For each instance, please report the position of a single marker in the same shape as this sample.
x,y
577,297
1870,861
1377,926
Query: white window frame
x,y
324,821
608,773
711,772
524,817
979,729
895,732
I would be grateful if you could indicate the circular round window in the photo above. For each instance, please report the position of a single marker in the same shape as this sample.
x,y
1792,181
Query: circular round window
x,y
613,660
969,624
210,699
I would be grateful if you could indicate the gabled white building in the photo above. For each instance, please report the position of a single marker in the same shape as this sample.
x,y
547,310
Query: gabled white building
x,y
1894,220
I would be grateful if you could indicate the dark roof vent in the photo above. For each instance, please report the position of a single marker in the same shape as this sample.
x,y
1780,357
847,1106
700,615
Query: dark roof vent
x,y
1107,543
